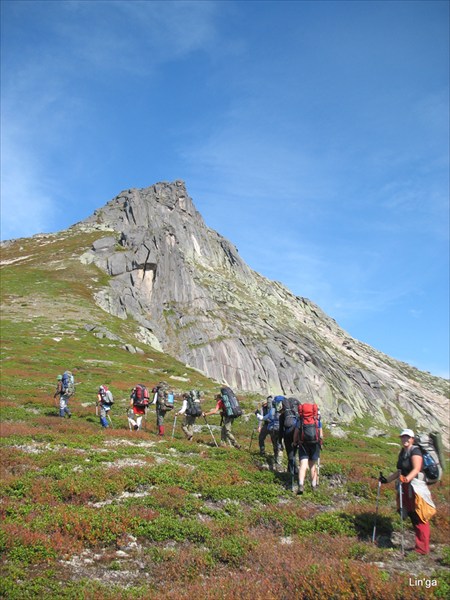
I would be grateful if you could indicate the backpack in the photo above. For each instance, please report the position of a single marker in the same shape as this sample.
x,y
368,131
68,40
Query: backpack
x,y
309,423
106,395
193,404
230,403
140,395
274,419
164,399
68,383
430,446
289,408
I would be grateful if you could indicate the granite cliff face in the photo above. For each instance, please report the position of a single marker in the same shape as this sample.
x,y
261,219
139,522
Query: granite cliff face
x,y
197,300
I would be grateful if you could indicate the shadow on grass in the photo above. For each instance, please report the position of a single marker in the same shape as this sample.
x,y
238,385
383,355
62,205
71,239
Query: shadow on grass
x,y
364,524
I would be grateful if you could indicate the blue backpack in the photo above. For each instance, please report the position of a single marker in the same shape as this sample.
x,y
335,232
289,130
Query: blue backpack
x,y
68,383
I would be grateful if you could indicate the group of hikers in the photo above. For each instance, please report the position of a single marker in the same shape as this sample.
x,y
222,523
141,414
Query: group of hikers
x,y
291,425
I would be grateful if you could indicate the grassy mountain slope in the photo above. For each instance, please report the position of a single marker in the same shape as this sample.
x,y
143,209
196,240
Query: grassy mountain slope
x,y
88,513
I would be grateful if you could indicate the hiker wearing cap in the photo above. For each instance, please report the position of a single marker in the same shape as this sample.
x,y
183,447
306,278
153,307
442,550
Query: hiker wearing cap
x,y
271,421
104,401
63,398
414,496
263,423
226,436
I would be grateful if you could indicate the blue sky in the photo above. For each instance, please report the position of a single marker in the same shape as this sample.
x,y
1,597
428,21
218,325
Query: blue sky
x,y
313,135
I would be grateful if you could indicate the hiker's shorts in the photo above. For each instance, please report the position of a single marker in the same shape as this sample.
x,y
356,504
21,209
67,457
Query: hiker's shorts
x,y
309,451
104,410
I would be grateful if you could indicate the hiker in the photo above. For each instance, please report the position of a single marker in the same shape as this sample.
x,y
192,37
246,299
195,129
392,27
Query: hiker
x,y
164,400
288,426
139,401
226,422
271,420
263,423
309,438
416,498
105,400
191,409
64,394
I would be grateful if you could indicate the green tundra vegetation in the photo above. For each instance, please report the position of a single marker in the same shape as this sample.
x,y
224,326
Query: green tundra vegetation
x,y
92,513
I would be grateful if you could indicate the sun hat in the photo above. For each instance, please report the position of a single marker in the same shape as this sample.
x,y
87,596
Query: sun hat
x,y
59,377
408,432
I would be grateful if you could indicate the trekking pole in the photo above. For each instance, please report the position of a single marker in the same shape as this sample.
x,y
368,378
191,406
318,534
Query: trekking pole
x,y
400,491
174,425
210,431
251,439
109,419
376,509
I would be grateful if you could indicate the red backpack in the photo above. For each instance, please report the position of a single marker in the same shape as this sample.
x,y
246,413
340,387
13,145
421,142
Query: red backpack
x,y
309,423
140,395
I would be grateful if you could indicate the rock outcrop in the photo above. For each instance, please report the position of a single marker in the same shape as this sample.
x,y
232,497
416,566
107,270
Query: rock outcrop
x,y
195,298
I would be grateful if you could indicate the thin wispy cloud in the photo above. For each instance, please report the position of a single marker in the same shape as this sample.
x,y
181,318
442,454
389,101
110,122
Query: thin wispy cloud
x,y
314,135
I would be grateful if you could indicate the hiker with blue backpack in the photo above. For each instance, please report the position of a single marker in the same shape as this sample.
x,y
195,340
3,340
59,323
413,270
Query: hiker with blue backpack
x,y
263,429
191,409
413,496
228,405
309,439
65,389
105,400
271,421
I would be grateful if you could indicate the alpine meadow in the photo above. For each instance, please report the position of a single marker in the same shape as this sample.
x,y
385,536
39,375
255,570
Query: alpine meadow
x,y
143,292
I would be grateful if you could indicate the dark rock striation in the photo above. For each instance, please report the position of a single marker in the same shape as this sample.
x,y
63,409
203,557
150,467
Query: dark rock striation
x,y
197,300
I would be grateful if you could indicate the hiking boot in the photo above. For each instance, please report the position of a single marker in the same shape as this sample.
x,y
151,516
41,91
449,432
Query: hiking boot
x,y
135,427
300,489
189,438
237,446
262,451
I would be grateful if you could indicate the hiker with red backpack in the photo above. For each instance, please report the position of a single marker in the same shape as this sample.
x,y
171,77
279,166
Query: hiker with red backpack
x,y
288,424
139,401
228,405
413,496
309,439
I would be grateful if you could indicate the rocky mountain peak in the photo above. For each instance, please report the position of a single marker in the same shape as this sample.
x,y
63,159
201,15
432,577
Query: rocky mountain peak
x,y
196,299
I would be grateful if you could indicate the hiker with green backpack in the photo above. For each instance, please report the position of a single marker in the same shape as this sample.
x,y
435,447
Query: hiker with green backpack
x,y
191,409
164,400
228,405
